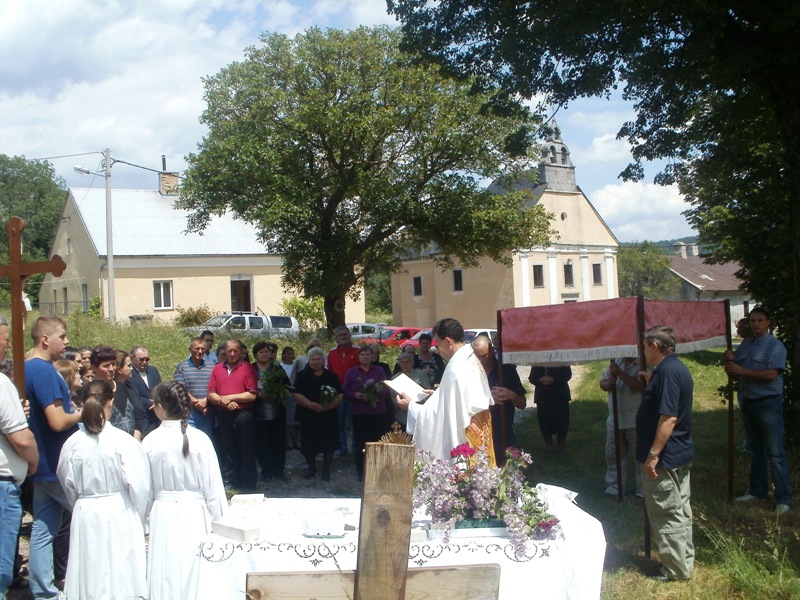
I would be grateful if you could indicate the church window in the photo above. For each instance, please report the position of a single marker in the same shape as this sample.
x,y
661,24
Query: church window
x,y
569,278
597,274
458,281
538,276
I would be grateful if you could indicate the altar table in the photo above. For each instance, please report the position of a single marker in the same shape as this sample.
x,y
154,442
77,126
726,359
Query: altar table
x,y
569,567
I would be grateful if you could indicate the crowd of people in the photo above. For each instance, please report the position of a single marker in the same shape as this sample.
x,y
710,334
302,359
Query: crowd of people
x,y
112,451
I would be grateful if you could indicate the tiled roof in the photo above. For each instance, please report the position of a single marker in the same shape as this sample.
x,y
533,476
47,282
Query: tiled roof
x,y
707,277
147,224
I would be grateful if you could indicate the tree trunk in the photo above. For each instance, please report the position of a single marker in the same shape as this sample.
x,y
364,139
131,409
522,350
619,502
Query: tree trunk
x,y
334,311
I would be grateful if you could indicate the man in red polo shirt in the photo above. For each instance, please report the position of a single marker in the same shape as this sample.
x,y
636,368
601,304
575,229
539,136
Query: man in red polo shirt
x,y
340,360
232,388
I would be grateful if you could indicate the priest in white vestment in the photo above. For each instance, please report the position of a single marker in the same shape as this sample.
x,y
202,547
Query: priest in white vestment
x,y
439,424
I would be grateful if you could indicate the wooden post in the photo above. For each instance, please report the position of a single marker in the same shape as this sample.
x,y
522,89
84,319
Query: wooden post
x,y
17,272
729,398
617,449
385,526
643,362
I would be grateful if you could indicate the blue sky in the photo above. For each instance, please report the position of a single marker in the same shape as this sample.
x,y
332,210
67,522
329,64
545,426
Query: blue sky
x,y
81,75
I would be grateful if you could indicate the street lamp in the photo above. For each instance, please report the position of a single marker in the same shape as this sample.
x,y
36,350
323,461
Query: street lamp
x,y
107,164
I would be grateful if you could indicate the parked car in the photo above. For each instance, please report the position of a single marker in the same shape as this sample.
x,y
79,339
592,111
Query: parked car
x,y
364,330
414,341
392,336
248,325
471,334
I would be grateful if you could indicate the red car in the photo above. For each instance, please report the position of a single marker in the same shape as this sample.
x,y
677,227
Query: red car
x,y
414,341
392,336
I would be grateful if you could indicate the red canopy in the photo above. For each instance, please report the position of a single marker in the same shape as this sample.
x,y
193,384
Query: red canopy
x,y
580,332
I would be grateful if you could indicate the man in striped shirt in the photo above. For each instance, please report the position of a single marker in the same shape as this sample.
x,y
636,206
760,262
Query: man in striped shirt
x,y
194,373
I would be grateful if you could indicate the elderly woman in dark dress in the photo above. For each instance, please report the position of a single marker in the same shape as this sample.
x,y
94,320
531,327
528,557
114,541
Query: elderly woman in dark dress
x,y
318,393
552,398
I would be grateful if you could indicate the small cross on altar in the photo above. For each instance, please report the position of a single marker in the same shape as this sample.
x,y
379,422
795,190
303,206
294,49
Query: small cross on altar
x,y
17,272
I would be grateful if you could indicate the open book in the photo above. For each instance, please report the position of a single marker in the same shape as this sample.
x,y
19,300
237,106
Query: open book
x,y
403,384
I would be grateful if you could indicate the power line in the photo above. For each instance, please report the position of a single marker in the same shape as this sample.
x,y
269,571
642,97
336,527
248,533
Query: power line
x,y
66,155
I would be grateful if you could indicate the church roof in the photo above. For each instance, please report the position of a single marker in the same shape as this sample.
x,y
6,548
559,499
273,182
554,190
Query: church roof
x,y
147,224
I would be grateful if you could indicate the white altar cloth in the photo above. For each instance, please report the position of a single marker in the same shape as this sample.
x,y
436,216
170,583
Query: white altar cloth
x,y
570,567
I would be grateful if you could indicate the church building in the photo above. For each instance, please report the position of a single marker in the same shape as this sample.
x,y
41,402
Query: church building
x,y
579,265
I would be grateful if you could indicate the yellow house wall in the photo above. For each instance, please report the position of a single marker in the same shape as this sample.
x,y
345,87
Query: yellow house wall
x,y
83,266
575,219
486,289
195,281
491,286
194,286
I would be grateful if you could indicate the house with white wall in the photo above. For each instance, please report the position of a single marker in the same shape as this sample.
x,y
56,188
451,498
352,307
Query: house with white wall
x,y
158,265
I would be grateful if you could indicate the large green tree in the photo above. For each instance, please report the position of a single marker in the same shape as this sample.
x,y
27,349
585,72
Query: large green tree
x,y
31,191
644,270
347,156
706,79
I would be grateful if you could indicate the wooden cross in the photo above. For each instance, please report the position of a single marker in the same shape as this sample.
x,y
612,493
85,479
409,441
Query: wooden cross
x,y
18,272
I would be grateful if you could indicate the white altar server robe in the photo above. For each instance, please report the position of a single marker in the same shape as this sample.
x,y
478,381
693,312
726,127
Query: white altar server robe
x,y
106,479
187,494
439,425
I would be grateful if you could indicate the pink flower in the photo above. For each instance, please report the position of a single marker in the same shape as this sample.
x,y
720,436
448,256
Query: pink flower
x,y
464,450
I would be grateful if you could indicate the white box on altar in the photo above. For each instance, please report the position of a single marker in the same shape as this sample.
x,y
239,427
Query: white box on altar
x,y
236,528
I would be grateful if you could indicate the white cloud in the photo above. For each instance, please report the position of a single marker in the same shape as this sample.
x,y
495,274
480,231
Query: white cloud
x,y
604,149
642,211
87,74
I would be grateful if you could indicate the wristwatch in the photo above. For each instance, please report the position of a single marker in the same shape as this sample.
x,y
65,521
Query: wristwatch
x,y
651,453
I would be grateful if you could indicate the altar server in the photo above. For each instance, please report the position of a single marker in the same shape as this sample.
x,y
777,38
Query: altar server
x,y
106,479
187,494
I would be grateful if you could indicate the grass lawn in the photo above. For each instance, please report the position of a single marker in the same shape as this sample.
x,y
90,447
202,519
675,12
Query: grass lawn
x,y
742,551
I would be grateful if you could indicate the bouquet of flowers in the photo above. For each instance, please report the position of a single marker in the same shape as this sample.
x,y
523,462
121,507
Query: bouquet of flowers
x,y
327,394
372,390
470,488
272,386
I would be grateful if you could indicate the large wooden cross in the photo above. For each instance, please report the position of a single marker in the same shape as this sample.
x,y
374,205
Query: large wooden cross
x,y
17,272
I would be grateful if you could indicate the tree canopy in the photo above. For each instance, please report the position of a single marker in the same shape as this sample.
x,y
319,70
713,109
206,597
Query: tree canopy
x,y
644,270
714,86
31,191
348,156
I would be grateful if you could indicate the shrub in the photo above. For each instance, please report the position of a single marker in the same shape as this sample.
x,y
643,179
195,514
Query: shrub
x,y
188,317
309,312
95,310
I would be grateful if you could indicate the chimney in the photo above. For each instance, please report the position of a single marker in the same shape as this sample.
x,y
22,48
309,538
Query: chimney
x,y
168,184
694,250
680,249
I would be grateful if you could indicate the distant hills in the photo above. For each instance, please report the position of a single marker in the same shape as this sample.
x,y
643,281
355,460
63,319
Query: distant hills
x,y
667,245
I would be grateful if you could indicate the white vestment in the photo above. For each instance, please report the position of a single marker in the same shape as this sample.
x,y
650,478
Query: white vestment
x,y
439,425
106,479
187,494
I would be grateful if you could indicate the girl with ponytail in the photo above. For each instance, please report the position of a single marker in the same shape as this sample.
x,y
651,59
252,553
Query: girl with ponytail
x,y
187,494
106,479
